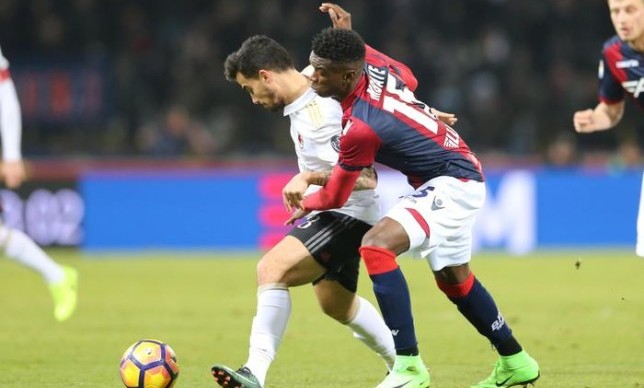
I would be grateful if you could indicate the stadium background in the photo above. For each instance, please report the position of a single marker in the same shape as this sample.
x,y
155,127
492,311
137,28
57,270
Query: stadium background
x,y
162,204
137,88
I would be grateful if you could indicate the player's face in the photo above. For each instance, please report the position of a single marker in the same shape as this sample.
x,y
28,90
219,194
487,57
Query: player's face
x,y
328,80
263,90
628,18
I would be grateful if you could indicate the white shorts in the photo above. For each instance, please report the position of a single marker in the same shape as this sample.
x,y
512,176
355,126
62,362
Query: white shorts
x,y
438,218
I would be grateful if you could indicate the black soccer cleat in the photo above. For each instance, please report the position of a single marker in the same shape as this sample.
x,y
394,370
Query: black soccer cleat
x,y
241,378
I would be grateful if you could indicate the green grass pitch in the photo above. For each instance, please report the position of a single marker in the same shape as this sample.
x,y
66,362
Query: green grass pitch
x,y
584,325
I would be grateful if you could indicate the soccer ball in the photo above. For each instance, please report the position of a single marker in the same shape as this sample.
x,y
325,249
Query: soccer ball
x,y
149,363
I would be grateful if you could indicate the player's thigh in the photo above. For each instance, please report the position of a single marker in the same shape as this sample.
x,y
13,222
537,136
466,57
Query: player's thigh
x,y
387,233
438,219
289,262
333,239
335,300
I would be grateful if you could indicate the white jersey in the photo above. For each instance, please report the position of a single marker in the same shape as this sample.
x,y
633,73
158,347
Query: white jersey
x,y
10,118
315,130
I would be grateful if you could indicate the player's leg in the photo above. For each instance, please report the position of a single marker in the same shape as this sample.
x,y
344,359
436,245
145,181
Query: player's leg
x,y
474,302
61,280
380,247
449,260
287,264
414,223
359,315
336,248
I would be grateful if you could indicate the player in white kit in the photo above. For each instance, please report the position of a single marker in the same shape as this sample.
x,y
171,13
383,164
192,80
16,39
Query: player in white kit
x,y
62,280
324,249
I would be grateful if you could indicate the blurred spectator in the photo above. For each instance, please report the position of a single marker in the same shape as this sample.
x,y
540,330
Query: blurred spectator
x,y
628,155
513,71
176,134
562,152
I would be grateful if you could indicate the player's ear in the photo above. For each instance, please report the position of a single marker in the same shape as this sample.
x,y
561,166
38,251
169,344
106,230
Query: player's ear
x,y
349,76
265,75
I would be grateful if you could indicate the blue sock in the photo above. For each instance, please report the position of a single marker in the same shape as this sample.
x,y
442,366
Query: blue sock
x,y
394,301
477,305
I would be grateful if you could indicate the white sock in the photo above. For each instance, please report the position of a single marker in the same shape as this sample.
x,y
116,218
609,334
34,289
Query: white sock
x,y
19,247
369,327
269,323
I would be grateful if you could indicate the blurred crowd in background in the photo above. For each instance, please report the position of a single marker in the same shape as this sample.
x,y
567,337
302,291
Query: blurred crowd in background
x,y
513,71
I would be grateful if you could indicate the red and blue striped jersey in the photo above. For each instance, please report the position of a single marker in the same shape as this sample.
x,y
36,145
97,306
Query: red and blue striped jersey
x,y
384,122
621,73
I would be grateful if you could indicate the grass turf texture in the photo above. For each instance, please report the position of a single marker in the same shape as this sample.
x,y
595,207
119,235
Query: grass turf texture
x,y
585,326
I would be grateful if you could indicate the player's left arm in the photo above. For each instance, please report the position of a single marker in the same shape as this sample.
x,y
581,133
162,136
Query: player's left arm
x,y
448,118
338,15
340,18
12,168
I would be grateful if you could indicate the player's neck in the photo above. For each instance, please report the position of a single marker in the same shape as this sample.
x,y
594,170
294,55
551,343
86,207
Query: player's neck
x,y
294,84
637,44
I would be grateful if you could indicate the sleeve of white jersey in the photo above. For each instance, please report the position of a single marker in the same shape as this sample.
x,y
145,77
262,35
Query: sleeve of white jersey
x,y
10,118
329,131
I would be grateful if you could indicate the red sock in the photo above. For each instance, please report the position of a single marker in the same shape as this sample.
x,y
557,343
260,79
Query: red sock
x,y
378,260
457,290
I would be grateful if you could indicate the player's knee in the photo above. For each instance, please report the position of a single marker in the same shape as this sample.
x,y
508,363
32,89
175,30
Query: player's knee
x,y
387,234
338,310
375,238
268,272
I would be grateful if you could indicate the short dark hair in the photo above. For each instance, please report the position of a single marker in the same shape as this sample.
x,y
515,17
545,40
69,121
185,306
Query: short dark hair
x,y
339,45
256,53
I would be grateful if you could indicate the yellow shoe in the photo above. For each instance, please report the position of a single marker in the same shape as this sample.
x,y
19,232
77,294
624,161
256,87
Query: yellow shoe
x,y
64,294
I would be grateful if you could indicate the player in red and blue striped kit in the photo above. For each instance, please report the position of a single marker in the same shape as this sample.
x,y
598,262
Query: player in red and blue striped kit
x,y
621,74
384,122
621,68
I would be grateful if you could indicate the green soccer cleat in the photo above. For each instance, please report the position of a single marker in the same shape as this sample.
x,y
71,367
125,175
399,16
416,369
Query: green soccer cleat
x,y
241,378
408,372
64,294
517,370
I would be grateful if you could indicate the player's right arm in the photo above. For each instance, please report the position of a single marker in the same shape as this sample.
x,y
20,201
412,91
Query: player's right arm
x,y
342,19
610,109
358,148
603,117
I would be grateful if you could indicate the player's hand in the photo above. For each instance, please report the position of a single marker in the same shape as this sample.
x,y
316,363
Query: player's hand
x,y
13,173
448,118
584,121
297,214
339,17
293,192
